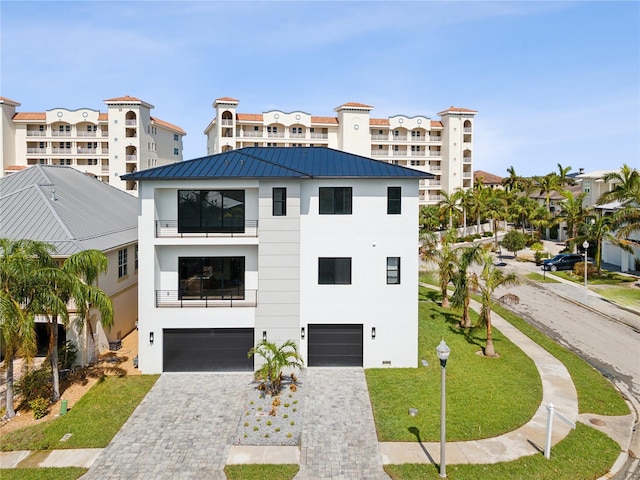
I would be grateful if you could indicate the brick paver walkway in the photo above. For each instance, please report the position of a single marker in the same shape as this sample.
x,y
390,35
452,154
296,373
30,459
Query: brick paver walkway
x,y
183,429
339,439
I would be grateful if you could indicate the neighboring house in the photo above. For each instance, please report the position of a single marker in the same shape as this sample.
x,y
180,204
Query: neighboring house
x,y
559,231
442,147
487,179
74,212
106,145
594,186
312,245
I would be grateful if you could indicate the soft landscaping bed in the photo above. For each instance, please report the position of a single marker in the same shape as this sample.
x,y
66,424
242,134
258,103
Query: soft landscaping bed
x,y
68,473
92,422
261,472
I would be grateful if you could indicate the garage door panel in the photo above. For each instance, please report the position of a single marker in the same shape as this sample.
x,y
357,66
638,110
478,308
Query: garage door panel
x,y
335,346
207,350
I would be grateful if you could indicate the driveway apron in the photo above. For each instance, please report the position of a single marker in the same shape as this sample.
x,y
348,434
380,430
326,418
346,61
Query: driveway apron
x,y
339,437
183,429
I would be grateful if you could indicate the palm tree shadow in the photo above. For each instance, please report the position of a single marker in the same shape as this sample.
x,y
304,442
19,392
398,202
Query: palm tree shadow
x,y
469,334
416,431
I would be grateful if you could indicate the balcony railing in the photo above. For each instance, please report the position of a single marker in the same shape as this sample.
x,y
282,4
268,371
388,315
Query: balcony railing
x,y
105,133
467,130
297,135
420,153
232,298
400,137
399,153
105,168
436,138
36,133
466,174
466,159
252,134
60,150
418,139
105,151
36,150
131,123
57,133
226,122
86,134
87,150
379,136
275,134
435,153
322,136
169,228
131,158
379,153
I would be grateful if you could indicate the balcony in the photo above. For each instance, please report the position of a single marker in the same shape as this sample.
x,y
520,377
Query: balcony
x,y
86,134
466,159
57,133
435,169
467,130
104,133
321,136
399,153
418,139
241,298
105,168
36,150
105,151
36,133
251,134
378,136
87,150
379,153
131,123
466,174
131,158
297,135
169,229
420,153
399,138
60,150
436,138
435,153
275,134
226,122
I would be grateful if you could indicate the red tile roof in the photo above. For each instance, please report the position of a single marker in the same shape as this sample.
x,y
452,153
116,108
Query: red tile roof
x,y
226,99
355,104
103,117
168,125
30,116
379,121
436,124
15,167
250,117
487,178
457,109
126,98
331,120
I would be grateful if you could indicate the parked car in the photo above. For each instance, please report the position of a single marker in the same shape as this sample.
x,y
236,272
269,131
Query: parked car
x,y
564,261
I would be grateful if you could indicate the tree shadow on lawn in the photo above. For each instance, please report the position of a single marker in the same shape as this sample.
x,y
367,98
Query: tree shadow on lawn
x,y
472,336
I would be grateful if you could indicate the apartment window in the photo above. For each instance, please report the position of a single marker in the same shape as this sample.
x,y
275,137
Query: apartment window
x,y
42,128
393,270
176,137
394,200
42,161
92,161
335,200
211,277
256,128
176,151
201,211
135,258
586,186
122,263
334,271
279,202
272,129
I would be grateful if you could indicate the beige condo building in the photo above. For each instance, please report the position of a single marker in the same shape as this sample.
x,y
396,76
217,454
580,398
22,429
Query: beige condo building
x,y
443,147
107,145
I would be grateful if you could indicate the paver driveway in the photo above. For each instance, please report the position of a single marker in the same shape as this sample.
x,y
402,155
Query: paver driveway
x,y
183,429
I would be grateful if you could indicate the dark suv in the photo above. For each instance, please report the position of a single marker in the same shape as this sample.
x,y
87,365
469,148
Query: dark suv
x,y
564,261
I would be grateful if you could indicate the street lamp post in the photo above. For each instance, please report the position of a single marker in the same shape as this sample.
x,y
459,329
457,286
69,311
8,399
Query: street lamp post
x,y
443,351
585,245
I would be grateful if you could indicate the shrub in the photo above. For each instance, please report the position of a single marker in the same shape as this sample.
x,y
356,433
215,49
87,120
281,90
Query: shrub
x,y
536,246
514,241
487,234
35,384
67,354
538,256
40,407
578,269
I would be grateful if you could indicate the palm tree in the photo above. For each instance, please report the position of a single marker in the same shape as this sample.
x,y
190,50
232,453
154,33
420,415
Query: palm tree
x,y
562,176
572,213
467,201
513,181
521,209
595,231
626,191
480,196
489,279
540,218
429,219
275,358
64,285
19,264
449,205
495,208
461,281
445,258
547,184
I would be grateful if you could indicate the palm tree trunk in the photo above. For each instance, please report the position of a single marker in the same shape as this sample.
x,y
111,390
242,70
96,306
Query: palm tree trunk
x,y
489,351
466,320
445,299
9,394
53,358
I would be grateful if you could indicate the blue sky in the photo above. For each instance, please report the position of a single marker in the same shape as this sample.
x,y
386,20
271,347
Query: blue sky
x,y
553,82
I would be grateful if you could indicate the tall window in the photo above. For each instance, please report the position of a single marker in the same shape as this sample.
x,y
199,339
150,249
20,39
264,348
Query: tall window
x,y
219,211
135,258
335,200
279,202
334,271
394,200
122,263
211,277
393,270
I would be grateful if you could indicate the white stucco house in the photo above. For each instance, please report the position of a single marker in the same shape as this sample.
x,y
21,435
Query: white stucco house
x,y
307,244
74,211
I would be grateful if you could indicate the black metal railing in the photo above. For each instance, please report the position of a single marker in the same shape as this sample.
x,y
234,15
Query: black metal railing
x,y
172,298
169,228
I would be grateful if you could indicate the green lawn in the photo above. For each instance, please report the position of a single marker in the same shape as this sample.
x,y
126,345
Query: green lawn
x,y
606,278
93,421
538,277
261,472
585,454
622,295
473,383
69,473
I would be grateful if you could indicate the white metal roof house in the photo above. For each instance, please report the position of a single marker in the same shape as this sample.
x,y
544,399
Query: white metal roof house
x,y
312,245
73,212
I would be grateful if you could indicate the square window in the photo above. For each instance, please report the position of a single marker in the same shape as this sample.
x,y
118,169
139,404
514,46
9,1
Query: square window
x,y
394,200
335,200
279,202
393,270
334,271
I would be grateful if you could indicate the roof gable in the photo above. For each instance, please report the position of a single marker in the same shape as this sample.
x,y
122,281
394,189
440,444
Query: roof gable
x,y
279,162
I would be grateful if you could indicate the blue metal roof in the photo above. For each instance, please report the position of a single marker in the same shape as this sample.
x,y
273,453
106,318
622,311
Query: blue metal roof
x,y
278,162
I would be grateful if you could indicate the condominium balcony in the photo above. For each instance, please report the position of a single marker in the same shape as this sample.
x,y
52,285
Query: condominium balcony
x,y
61,150
87,150
36,150
105,133
378,136
467,130
86,134
297,135
399,153
131,158
275,134
435,198
466,159
36,133
321,136
420,153
435,153
418,139
169,229
104,168
226,122
467,174
105,151
400,138
57,133
231,298
379,153
251,134
436,138
434,169
131,123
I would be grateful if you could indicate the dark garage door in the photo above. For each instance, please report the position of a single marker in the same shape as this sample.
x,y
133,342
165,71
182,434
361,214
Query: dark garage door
x,y
207,349
335,346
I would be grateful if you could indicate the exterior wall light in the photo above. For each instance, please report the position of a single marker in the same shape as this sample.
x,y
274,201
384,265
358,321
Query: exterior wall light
x,y
151,338
264,335
373,332
302,332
